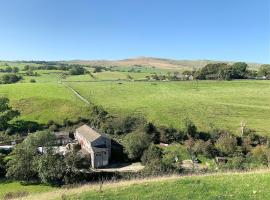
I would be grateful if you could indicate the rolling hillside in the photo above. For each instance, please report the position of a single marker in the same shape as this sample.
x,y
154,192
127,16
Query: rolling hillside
x,y
160,63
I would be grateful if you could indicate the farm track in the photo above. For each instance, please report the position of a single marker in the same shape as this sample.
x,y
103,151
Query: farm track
x,y
77,94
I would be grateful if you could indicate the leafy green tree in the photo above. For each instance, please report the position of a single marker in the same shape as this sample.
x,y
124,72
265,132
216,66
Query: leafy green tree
x,y
77,70
264,70
10,78
51,168
239,70
23,160
6,113
135,143
169,135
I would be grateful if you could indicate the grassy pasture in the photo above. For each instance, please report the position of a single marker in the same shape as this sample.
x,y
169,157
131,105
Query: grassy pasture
x,y
7,187
220,104
42,102
228,186
241,187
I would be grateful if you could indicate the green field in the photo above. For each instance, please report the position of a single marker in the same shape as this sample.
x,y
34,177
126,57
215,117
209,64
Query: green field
x,y
42,102
225,187
218,104
14,187
210,104
240,186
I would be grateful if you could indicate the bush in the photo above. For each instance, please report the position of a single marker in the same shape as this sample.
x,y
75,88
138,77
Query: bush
x,y
226,144
135,143
190,129
152,153
169,135
77,70
237,162
173,155
260,154
32,80
205,148
10,78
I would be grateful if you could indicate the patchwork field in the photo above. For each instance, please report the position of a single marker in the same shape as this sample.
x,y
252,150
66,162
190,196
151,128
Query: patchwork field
x,y
241,186
220,104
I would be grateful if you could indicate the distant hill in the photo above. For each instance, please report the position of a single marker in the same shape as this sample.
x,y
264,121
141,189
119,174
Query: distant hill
x,y
160,63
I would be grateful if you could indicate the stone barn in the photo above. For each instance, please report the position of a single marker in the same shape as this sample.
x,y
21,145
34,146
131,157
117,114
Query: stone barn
x,y
96,144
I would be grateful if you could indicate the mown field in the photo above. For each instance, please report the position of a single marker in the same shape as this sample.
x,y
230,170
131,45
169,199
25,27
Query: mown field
x,y
240,186
210,104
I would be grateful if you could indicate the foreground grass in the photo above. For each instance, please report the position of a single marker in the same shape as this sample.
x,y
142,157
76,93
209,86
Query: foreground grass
x,y
220,104
241,186
14,187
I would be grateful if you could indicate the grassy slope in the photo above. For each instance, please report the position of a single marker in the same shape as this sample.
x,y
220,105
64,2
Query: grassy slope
x,y
222,104
43,101
17,187
243,186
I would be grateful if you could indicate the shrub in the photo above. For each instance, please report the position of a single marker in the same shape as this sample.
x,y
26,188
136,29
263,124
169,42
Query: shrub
x,y
77,70
226,144
135,143
152,153
237,162
205,148
190,129
169,135
173,155
32,80
260,154
10,78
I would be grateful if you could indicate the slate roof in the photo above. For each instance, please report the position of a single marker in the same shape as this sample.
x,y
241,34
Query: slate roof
x,y
88,133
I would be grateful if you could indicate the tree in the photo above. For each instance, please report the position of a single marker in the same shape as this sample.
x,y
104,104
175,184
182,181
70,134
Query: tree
x,y
135,143
10,78
77,70
6,113
239,70
226,144
169,135
51,168
23,160
15,69
264,70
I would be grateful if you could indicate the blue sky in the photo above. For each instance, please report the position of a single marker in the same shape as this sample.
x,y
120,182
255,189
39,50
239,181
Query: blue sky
x,y
237,30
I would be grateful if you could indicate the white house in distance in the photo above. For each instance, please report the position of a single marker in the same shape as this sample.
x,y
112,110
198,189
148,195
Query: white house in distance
x,y
96,144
